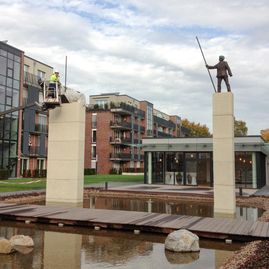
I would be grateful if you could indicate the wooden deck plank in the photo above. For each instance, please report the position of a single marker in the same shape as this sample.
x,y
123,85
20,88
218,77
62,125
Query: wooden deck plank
x,y
120,219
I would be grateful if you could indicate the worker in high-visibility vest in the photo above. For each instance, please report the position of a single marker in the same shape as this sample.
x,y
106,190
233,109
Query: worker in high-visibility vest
x,y
54,79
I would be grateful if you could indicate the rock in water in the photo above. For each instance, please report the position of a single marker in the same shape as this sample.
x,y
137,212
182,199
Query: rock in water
x,y
5,246
182,241
21,240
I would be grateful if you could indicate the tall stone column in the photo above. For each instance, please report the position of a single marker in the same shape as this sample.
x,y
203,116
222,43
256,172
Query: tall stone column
x,y
223,155
65,169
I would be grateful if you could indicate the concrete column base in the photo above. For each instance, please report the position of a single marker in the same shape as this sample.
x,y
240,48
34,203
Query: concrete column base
x,y
65,169
223,155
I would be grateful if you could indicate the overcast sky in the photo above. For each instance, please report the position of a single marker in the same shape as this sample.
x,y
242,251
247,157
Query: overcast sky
x,y
147,49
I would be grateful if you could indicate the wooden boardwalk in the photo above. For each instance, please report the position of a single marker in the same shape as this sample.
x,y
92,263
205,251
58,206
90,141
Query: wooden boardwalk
x,y
236,229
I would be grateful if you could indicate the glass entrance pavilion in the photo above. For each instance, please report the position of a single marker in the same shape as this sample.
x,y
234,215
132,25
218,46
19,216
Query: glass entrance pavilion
x,y
189,161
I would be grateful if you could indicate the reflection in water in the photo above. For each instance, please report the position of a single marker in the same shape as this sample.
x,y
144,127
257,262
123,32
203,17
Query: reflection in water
x,y
158,206
103,249
181,258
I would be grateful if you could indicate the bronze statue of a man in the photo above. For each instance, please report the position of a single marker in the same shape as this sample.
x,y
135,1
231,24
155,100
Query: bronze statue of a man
x,y
222,69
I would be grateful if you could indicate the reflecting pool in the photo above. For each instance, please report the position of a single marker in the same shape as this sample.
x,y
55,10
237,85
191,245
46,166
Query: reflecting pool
x,y
201,209
75,248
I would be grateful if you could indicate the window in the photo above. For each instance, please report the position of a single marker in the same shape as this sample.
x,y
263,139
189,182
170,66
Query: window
x,y
3,53
16,84
17,71
94,152
24,164
26,68
9,72
41,74
94,121
41,164
150,118
2,79
3,66
2,95
93,136
101,103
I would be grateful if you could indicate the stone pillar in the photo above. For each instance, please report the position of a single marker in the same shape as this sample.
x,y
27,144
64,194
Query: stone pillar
x,y
65,169
254,171
149,167
62,250
223,155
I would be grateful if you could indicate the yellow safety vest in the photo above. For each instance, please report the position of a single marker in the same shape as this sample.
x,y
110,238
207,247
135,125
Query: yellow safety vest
x,y
54,78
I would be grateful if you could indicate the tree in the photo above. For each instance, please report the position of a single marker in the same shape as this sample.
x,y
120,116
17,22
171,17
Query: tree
x,y
196,129
240,128
265,134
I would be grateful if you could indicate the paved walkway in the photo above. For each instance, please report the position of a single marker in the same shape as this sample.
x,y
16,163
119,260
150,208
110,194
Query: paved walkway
x,y
146,188
174,189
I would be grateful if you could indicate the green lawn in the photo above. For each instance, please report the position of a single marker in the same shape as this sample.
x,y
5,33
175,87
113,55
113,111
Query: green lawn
x,y
22,184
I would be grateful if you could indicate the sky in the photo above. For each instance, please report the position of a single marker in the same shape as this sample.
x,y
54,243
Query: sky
x,y
147,49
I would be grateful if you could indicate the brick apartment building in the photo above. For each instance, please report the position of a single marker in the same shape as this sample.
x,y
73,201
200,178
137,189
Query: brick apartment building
x,y
115,126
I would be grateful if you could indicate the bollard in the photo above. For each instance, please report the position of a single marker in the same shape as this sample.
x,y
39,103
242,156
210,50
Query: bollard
x,y
240,191
106,185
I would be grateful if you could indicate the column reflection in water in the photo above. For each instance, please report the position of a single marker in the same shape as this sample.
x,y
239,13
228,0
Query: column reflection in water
x,y
62,250
221,256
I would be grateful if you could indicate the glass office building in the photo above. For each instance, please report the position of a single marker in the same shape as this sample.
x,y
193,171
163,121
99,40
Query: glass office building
x,y
10,85
189,161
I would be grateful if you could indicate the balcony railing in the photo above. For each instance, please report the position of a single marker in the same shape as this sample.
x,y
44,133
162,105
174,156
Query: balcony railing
x,y
120,156
120,124
119,140
163,134
121,107
164,123
34,151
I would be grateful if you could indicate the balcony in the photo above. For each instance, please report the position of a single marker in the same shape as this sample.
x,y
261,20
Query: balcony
x,y
164,123
125,109
120,141
41,128
138,157
139,128
34,151
120,156
163,134
120,125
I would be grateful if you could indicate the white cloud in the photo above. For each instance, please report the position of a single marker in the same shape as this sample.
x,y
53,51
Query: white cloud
x,y
147,49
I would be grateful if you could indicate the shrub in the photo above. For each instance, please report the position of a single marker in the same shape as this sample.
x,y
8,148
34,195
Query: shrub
x,y
89,171
43,173
35,173
28,173
4,174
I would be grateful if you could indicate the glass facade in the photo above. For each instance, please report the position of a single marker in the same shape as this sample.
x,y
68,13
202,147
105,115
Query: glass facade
x,y
182,168
196,168
10,61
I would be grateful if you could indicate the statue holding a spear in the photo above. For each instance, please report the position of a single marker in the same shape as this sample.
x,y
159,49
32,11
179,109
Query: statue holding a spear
x,y
223,70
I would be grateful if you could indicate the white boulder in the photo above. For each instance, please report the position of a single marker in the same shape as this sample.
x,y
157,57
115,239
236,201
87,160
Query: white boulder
x,y
21,240
5,246
182,241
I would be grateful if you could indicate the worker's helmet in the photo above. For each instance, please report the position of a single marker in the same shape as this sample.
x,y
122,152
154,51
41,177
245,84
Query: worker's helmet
x,y
56,72
221,57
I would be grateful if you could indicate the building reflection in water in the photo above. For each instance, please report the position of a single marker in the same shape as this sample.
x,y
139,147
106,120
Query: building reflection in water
x,y
158,206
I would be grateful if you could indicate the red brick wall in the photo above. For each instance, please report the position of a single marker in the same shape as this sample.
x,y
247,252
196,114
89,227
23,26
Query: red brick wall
x,y
103,147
